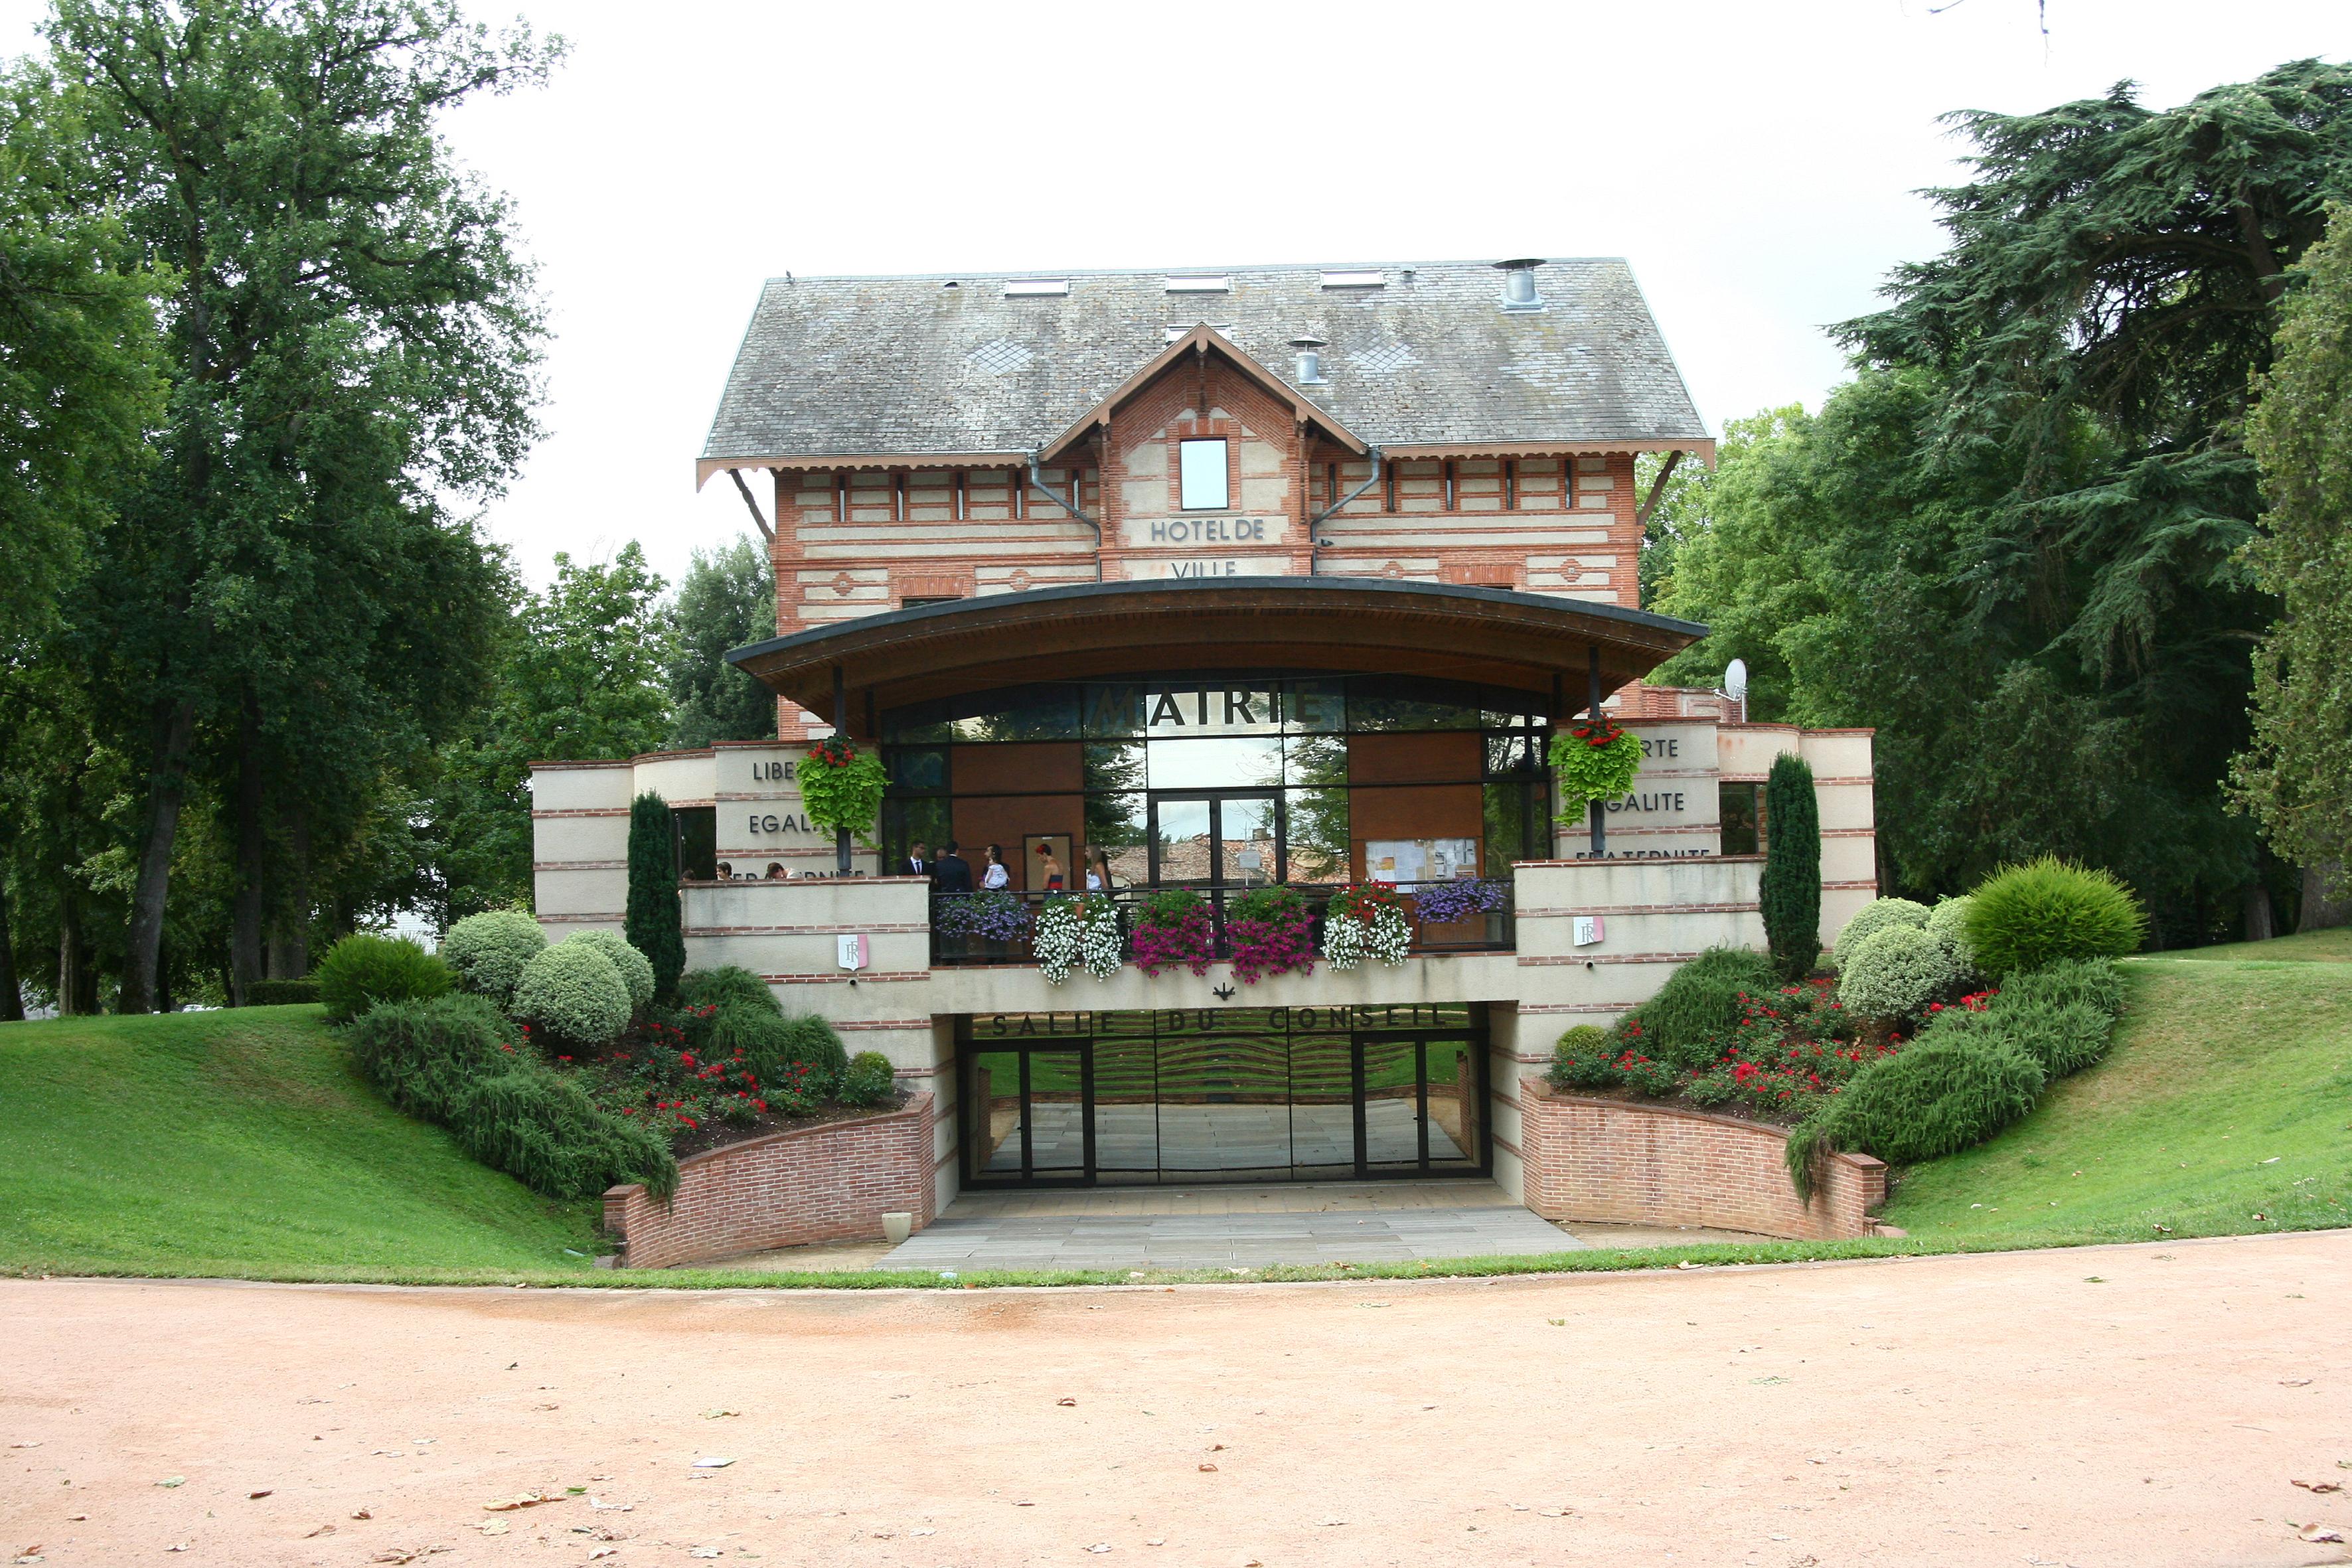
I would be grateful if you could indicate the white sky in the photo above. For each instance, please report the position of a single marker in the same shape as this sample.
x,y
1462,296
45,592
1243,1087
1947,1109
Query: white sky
x,y
1754,161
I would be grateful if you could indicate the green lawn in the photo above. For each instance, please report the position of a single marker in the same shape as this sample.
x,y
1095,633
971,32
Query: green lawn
x,y
2228,1096
242,1143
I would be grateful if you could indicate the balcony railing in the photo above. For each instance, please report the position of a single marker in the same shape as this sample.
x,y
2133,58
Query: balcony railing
x,y
994,928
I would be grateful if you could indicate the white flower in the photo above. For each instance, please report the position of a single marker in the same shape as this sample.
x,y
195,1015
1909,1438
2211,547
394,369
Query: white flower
x,y
1056,940
1343,941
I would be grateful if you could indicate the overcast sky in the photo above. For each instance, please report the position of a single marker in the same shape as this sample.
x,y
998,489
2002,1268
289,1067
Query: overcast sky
x,y
1755,163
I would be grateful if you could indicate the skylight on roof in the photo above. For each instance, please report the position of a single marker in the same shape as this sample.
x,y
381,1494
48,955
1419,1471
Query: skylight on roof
x,y
1024,287
1371,279
1201,285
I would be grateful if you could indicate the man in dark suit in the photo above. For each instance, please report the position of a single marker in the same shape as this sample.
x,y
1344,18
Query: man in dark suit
x,y
954,872
919,863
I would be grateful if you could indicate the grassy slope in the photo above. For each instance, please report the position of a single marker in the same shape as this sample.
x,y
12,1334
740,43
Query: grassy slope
x,y
2228,1096
240,1142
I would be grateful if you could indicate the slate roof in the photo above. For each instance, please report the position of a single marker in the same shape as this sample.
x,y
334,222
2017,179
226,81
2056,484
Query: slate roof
x,y
875,366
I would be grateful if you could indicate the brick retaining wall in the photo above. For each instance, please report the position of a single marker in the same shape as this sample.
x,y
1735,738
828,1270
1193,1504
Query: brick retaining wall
x,y
832,1183
1623,1162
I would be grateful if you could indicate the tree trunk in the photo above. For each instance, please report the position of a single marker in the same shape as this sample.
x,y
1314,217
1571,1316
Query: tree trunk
x,y
12,996
2259,926
162,977
2326,898
297,939
167,791
245,957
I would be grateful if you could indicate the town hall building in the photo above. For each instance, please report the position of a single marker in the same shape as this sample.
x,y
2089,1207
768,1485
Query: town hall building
x,y
1219,579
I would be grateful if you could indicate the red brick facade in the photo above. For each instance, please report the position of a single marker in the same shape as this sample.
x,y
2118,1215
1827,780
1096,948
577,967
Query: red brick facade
x,y
1615,1160
832,1183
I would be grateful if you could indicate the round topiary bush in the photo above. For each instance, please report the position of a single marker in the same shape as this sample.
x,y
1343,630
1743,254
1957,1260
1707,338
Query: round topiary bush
x,y
1894,972
573,994
1581,1058
636,971
730,982
488,952
2025,917
1699,1004
365,969
867,1080
1947,923
1939,1094
1877,916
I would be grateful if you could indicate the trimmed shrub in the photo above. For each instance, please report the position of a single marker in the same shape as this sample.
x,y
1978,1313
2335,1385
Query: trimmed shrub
x,y
730,982
1947,922
869,1080
456,1061
1581,1059
655,922
1944,1092
1791,892
540,1127
1699,1001
636,971
2025,917
363,970
488,950
280,993
1896,971
1877,916
771,1042
2064,1039
572,992
812,1040
2090,981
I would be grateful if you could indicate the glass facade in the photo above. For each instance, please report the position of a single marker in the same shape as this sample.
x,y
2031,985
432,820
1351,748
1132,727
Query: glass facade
x,y
1223,1094
1227,780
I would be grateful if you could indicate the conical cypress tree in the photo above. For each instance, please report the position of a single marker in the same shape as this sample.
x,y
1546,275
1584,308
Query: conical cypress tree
x,y
653,925
1792,866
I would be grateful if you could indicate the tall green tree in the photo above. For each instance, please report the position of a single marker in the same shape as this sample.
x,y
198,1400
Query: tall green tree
x,y
655,922
726,599
2296,776
580,676
350,344
1791,892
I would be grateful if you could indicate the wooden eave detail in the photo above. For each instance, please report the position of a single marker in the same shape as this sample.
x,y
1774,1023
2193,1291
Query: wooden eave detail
x,y
1701,448
1204,340
705,469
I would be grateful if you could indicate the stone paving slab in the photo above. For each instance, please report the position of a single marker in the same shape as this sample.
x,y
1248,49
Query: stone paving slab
x,y
1224,1241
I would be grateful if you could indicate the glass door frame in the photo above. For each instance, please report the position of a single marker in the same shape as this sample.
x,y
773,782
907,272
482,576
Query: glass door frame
x,y
969,1111
1220,875
1475,1048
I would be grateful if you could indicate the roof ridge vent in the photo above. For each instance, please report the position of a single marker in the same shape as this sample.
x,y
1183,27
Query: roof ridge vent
x,y
1309,351
1519,283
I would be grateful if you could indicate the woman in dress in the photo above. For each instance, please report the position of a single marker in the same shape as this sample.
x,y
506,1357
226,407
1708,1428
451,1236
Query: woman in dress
x,y
1049,868
993,876
1098,870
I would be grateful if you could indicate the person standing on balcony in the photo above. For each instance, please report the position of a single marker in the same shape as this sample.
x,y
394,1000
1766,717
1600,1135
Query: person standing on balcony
x,y
1049,868
1098,871
993,876
918,862
954,872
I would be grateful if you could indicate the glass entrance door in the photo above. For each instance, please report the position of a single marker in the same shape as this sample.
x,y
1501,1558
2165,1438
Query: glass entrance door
x,y
1420,1106
1029,1116
1223,838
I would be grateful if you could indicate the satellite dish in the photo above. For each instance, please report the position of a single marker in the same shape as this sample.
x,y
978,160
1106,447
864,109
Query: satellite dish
x,y
1735,680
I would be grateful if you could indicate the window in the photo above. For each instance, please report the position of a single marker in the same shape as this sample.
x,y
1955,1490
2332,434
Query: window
x,y
1742,822
695,841
915,601
1201,472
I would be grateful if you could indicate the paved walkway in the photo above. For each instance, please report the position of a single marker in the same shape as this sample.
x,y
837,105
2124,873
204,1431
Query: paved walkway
x,y
1253,1227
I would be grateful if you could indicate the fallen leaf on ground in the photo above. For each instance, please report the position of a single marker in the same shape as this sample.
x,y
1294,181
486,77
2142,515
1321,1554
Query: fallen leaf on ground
x,y
173,1481
713,1415
599,1502
361,1514
492,1527
323,1529
2316,1534
35,1445
1066,1402
184,1546
705,1552
521,1500
2321,1486
2294,1383
255,1497
711,1462
1206,1468
393,1554
602,1551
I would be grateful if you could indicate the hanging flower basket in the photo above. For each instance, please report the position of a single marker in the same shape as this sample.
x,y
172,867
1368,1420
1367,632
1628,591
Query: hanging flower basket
x,y
1444,903
1172,930
1078,932
1269,930
842,786
992,917
1366,920
1594,761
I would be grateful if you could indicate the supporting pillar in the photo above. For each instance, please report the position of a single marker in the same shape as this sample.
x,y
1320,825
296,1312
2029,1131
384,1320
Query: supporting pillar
x,y
1599,809
841,728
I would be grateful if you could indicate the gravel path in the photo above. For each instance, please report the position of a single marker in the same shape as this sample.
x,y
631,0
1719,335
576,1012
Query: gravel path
x,y
2137,1406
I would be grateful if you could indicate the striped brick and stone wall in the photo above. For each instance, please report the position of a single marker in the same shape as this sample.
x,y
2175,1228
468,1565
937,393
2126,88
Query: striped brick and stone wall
x,y
1622,1161
830,1183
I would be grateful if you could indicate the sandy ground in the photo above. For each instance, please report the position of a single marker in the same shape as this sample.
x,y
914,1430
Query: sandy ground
x,y
2124,1405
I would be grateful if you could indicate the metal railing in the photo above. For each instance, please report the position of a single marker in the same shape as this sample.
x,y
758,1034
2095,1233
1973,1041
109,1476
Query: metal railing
x,y
1472,916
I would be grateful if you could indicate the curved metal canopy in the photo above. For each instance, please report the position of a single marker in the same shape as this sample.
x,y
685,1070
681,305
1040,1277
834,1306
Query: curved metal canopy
x,y
1534,643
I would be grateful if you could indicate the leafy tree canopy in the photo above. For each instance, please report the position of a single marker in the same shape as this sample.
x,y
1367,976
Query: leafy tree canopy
x,y
726,599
